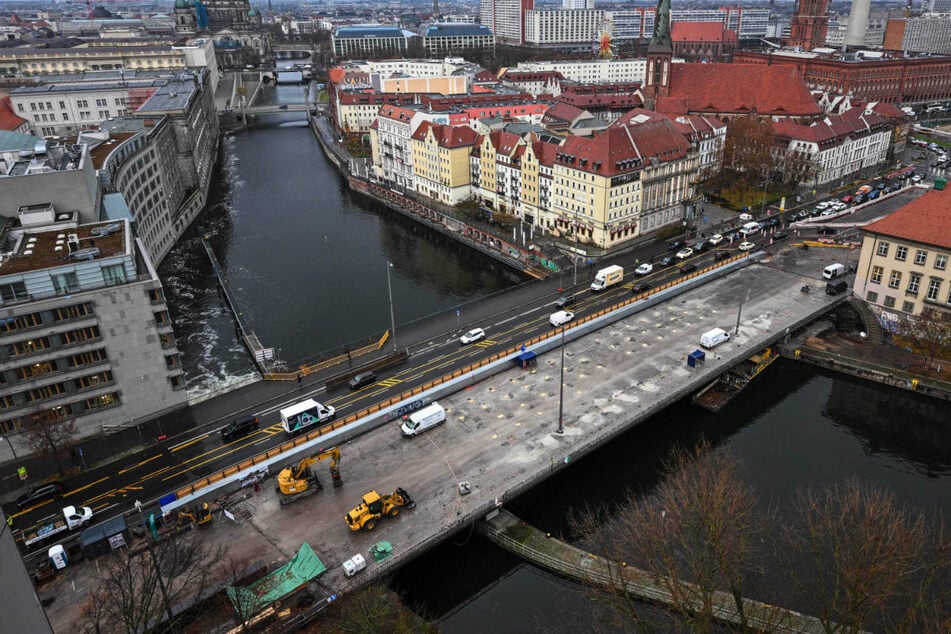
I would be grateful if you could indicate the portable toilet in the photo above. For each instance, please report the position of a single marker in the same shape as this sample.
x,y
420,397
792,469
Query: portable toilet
x,y
58,558
940,183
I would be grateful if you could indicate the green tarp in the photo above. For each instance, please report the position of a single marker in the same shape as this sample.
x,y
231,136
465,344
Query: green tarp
x,y
250,600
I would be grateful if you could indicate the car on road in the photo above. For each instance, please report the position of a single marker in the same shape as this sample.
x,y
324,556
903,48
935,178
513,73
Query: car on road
x,y
825,203
848,199
476,334
640,287
39,493
560,318
829,212
677,245
917,178
666,261
875,193
364,378
746,246
684,253
721,254
239,427
746,217
780,235
771,222
644,269
715,239
283,106
565,300
688,268
859,199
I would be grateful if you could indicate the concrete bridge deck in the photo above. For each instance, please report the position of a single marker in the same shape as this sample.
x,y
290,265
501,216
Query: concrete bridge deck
x,y
500,434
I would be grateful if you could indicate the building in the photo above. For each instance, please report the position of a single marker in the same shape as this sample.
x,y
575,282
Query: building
x,y
59,176
443,38
372,40
85,334
562,28
31,62
928,33
809,25
10,121
903,265
703,41
534,82
607,101
869,76
441,161
505,18
391,137
937,6
592,71
233,25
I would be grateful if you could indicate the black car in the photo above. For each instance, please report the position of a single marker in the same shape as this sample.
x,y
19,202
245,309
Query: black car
x,y
721,255
640,287
239,427
677,245
701,246
39,493
688,268
780,235
667,261
364,378
565,300
771,222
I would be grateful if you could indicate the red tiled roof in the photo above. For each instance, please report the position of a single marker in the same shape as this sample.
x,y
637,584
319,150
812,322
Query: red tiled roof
x,y
852,123
777,90
9,120
448,136
562,111
485,75
531,75
926,220
624,148
601,101
397,113
504,142
545,152
698,32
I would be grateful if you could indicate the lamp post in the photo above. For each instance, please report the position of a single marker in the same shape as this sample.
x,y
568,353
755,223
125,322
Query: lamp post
x,y
561,387
389,288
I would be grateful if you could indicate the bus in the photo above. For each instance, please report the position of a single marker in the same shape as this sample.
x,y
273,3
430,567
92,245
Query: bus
x,y
301,415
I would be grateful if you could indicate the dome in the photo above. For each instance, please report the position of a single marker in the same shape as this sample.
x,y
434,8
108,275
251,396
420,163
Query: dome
x,y
181,4
253,13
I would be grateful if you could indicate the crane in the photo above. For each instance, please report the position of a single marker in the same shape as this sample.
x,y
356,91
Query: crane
x,y
297,481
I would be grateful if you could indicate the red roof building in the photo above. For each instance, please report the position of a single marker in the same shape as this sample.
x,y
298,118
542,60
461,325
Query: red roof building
x,y
9,120
905,264
703,41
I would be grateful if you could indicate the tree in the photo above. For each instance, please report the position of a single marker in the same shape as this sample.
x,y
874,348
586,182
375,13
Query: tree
x,y
929,332
700,526
750,164
128,595
373,610
48,435
872,563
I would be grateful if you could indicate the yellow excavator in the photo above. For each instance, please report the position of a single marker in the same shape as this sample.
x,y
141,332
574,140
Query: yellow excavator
x,y
297,481
374,506
199,515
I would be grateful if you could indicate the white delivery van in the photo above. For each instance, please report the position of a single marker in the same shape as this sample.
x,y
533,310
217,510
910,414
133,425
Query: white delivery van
x,y
421,420
833,271
750,228
713,338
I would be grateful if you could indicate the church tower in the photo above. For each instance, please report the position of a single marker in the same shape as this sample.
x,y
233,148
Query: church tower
x,y
660,51
810,24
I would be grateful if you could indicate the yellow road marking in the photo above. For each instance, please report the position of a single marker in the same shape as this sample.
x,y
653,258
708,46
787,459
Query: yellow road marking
x,y
149,476
189,443
83,488
139,464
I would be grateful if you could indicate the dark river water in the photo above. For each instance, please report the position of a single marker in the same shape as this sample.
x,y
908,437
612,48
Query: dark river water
x,y
307,265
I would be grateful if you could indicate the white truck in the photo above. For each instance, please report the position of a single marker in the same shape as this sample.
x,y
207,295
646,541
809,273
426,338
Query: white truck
x,y
72,518
608,276
713,338
304,414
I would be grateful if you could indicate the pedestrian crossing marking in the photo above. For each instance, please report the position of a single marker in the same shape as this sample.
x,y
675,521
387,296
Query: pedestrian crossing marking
x,y
390,382
485,343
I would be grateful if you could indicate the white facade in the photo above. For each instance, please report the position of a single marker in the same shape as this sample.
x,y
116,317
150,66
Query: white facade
x,y
504,17
559,27
930,33
64,110
846,158
592,71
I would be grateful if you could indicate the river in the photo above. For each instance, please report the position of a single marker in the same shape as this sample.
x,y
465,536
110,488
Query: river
x,y
308,265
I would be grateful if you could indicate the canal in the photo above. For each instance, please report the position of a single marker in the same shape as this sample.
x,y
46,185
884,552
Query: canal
x,y
308,266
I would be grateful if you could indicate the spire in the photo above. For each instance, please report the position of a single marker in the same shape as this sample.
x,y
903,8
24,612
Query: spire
x,y
660,42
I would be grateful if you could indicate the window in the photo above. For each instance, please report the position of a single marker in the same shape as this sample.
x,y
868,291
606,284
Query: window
x,y
76,311
921,257
65,116
894,281
908,307
13,291
22,322
914,281
871,297
889,301
882,248
65,283
113,274
877,273
941,261
934,284
901,253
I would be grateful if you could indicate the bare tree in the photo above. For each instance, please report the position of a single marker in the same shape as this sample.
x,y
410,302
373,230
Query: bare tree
x,y
373,610
701,526
128,595
929,332
48,435
870,561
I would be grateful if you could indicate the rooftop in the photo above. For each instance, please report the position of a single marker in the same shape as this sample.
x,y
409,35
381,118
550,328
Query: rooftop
x,y
450,30
926,220
48,249
174,95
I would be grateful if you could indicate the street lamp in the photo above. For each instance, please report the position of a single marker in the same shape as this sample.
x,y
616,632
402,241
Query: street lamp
x,y
561,386
389,287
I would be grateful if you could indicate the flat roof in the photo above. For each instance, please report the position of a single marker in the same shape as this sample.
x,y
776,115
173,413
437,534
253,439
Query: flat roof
x,y
50,248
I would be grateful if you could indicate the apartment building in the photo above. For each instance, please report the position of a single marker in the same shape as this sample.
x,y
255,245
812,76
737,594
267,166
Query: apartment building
x,y
594,71
903,265
441,161
928,33
85,333
505,18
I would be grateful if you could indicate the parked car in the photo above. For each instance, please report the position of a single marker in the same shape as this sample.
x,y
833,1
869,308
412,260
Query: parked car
x,y
826,230
875,193
472,336
828,212
640,287
688,268
780,235
39,493
677,245
644,269
239,427
746,246
848,199
715,239
917,178
746,217
684,253
364,378
859,199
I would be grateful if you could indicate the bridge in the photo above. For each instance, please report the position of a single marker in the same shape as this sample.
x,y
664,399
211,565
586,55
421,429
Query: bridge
x,y
277,109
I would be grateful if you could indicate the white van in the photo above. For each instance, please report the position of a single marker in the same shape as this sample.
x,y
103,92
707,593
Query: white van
x,y
833,271
421,420
713,338
750,228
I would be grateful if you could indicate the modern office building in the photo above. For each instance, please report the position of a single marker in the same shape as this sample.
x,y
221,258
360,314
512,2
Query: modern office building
x,y
505,18
373,40
444,38
928,33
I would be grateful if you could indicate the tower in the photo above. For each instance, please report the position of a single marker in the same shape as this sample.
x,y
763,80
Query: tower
x,y
809,25
660,51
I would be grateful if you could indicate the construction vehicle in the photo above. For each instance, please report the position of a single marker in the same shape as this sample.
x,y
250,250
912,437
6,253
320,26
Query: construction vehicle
x,y
200,516
299,480
72,518
374,506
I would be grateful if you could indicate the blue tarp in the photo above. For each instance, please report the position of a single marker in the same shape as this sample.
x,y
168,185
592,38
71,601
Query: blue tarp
x,y
695,357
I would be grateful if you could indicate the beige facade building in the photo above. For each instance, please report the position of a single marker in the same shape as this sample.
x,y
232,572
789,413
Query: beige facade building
x,y
28,62
441,161
903,266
